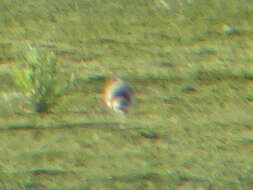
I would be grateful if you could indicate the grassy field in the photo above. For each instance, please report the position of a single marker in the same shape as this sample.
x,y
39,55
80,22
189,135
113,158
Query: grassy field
x,y
191,65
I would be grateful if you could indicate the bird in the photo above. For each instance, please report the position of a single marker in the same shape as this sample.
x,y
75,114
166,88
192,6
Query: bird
x,y
118,95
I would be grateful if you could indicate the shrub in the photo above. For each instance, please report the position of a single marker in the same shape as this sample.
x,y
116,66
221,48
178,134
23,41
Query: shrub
x,y
40,79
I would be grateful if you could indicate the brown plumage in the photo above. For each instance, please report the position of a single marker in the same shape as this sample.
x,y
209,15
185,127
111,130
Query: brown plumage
x,y
118,95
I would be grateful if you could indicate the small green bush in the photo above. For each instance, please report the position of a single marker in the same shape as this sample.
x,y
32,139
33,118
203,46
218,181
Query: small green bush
x,y
40,79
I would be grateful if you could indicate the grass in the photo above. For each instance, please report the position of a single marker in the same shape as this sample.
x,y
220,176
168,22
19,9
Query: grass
x,y
40,80
191,124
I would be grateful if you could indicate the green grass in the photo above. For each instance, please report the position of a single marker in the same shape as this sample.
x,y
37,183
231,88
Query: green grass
x,y
191,127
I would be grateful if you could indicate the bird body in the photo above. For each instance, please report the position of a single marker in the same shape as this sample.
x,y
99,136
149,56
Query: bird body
x,y
118,95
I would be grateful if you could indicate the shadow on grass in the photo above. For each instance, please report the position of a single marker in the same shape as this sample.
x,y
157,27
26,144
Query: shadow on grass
x,y
51,172
132,177
62,126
